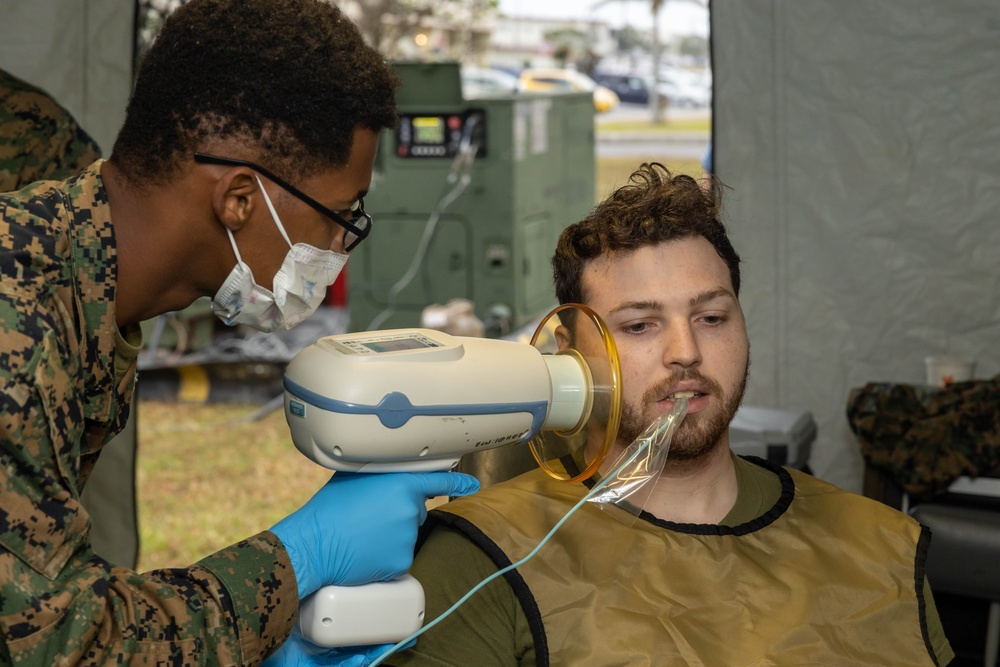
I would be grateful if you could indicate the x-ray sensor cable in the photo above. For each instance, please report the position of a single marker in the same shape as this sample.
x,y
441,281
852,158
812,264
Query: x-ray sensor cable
x,y
680,408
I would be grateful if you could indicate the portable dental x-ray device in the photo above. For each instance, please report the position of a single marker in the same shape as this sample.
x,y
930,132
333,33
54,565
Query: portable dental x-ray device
x,y
409,400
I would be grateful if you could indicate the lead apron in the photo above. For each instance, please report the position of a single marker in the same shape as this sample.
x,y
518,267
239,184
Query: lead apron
x,y
826,577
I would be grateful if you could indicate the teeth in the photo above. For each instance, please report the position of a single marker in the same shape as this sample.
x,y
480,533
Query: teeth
x,y
684,394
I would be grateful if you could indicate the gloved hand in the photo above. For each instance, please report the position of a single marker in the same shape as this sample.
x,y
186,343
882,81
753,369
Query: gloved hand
x,y
300,652
362,527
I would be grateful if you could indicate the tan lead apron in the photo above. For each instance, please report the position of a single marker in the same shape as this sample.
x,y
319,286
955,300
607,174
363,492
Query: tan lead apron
x,y
829,578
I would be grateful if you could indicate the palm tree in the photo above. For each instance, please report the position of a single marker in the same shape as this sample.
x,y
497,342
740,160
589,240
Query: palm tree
x,y
655,7
654,95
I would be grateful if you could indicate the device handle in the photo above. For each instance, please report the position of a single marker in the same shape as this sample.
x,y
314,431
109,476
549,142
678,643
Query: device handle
x,y
382,612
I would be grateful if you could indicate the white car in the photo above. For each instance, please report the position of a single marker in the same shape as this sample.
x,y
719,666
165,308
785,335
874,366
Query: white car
x,y
486,81
684,91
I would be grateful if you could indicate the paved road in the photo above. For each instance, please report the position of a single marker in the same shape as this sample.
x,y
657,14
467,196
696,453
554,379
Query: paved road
x,y
688,150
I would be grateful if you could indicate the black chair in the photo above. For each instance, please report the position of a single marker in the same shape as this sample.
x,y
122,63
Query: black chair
x,y
964,557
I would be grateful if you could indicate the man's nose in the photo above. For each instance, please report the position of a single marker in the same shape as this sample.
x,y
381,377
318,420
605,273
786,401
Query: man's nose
x,y
337,245
681,345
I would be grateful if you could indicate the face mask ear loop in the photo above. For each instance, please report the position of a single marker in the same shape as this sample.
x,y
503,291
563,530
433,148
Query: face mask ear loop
x,y
274,214
232,242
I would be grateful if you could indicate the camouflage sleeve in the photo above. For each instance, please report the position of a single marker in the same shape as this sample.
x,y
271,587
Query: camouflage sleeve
x,y
924,438
60,604
39,140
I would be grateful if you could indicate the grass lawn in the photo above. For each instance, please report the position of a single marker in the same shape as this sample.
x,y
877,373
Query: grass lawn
x,y
207,479
613,172
694,124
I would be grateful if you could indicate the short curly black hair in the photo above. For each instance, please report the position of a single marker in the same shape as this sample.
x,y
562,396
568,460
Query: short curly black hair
x,y
292,79
654,207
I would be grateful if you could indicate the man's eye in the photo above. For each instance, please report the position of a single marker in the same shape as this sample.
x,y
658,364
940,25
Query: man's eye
x,y
636,327
713,319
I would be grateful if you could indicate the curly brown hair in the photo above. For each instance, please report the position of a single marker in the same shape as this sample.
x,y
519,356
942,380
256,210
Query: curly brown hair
x,y
655,206
292,79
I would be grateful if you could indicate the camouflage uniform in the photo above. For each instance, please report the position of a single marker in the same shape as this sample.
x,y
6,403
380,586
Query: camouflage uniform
x,y
924,438
68,374
39,140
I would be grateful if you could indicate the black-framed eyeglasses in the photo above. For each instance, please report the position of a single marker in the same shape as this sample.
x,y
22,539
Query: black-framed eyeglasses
x,y
355,230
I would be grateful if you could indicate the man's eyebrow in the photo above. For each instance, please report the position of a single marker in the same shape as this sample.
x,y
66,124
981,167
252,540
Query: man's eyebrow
x,y
636,305
710,295
697,300
361,195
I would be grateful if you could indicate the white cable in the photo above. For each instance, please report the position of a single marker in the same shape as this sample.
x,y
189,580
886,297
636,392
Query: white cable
x,y
460,172
418,258
667,429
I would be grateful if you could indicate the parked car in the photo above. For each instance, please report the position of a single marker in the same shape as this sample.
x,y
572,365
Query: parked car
x,y
684,91
673,89
630,88
480,81
535,79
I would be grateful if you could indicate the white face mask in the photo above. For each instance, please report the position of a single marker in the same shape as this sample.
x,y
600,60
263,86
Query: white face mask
x,y
299,285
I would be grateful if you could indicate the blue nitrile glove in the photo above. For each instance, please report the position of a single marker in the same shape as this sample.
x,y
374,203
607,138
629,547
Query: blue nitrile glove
x,y
300,652
362,527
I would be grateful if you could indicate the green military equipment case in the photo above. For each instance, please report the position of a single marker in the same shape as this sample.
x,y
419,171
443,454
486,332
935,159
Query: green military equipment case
x,y
533,175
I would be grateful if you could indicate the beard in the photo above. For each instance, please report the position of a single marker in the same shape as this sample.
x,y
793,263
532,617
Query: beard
x,y
699,433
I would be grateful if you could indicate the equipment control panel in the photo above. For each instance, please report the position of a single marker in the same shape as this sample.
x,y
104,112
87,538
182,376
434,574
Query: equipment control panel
x,y
439,135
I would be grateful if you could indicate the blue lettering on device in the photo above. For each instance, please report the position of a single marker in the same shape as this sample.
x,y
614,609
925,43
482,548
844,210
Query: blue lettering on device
x,y
297,409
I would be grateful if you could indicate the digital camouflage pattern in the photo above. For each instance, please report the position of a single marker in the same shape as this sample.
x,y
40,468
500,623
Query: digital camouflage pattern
x,y
39,140
925,437
61,402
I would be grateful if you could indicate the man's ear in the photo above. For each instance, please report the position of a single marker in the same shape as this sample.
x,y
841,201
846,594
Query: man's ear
x,y
563,338
232,197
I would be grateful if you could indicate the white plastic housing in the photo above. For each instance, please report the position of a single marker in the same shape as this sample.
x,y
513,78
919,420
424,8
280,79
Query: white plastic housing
x,y
383,612
466,394
570,390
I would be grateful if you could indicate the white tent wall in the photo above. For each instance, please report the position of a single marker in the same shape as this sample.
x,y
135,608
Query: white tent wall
x,y
78,51
861,143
